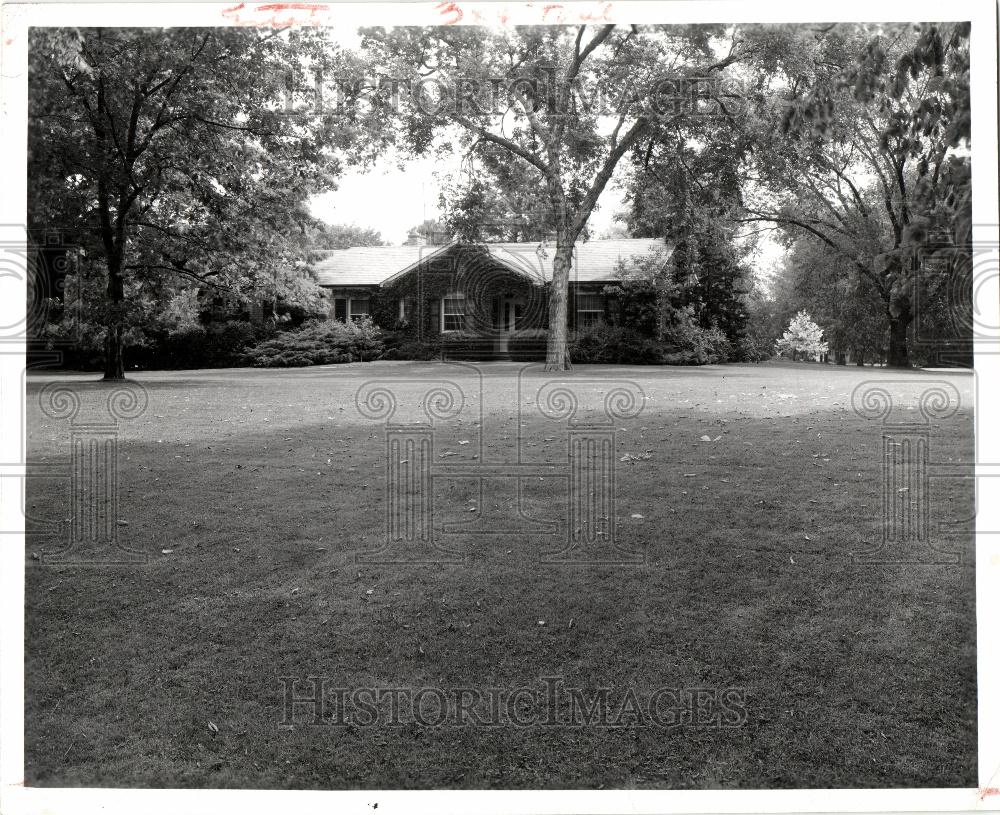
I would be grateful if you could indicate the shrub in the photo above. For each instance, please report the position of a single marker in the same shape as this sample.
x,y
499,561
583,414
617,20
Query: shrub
x,y
752,349
527,344
404,344
685,344
322,342
688,343
215,345
614,344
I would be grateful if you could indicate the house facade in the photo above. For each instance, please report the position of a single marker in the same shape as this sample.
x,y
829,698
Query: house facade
x,y
483,294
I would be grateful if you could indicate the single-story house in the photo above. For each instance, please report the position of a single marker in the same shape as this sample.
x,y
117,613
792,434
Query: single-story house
x,y
489,291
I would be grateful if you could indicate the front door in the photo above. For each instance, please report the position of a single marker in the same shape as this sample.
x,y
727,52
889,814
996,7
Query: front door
x,y
510,313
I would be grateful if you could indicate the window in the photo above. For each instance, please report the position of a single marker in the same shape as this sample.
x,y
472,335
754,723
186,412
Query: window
x,y
589,310
405,309
359,308
453,312
340,309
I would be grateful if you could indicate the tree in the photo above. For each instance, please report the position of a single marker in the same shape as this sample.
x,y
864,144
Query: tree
x,y
802,336
498,205
165,155
534,95
875,166
432,231
826,286
685,188
344,236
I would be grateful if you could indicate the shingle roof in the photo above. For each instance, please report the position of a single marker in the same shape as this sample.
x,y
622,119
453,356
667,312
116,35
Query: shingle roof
x,y
593,261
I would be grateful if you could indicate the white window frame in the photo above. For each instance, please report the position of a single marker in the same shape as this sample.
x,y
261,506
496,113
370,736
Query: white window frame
x,y
402,309
580,311
452,296
350,309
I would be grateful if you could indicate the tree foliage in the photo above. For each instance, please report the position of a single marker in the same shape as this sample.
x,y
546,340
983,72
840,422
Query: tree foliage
x,y
803,337
168,158
875,160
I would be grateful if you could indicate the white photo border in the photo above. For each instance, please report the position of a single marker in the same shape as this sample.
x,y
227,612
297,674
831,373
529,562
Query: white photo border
x,y
16,20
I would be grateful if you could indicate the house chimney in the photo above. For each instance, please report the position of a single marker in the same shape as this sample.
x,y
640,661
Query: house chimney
x,y
414,238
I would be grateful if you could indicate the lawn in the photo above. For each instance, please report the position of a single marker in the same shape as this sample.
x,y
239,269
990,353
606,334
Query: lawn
x,y
259,498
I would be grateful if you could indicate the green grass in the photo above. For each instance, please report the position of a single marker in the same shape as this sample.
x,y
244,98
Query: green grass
x,y
265,484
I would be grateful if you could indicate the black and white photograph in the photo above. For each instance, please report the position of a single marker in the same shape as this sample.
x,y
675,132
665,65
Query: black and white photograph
x,y
588,400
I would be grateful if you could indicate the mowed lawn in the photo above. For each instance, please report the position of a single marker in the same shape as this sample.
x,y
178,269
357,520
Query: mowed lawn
x,y
265,485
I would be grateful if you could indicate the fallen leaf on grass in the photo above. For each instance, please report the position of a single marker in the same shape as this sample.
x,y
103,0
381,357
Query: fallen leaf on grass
x,y
631,457
213,726
166,551
637,515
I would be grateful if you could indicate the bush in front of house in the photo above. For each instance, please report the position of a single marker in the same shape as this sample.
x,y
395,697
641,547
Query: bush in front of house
x,y
405,345
527,344
321,342
685,343
217,345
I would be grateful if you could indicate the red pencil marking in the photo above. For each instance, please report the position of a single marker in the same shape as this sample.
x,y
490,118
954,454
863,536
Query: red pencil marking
x,y
450,8
985,792
604,15
311,7
553,7
234,8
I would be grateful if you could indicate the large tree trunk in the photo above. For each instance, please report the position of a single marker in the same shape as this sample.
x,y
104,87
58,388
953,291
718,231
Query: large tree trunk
x,y
114,356
557,348
114,345
898,355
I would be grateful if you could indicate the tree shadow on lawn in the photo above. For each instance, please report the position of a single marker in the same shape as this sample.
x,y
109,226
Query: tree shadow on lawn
x,y
851,674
